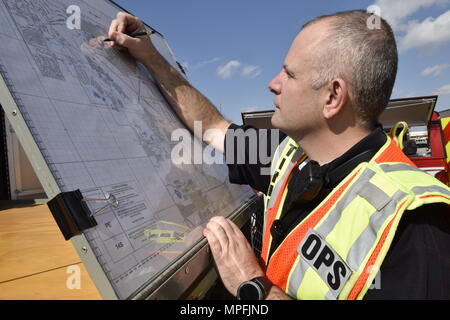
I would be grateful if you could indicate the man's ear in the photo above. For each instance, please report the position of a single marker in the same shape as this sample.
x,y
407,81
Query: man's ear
x,y
336,98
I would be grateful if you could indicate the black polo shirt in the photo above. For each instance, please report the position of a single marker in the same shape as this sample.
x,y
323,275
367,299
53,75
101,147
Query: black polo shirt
x,y
417,265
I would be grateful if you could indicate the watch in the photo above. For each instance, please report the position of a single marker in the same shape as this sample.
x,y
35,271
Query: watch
x,y
254,289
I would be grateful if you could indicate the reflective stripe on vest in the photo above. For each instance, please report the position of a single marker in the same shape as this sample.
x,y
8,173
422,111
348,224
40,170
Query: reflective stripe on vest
x,y
289,158
336,250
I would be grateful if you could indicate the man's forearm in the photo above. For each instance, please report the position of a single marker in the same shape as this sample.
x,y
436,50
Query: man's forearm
x,y
187,102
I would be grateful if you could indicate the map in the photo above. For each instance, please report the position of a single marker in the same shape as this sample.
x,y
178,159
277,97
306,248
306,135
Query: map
x,y
103,127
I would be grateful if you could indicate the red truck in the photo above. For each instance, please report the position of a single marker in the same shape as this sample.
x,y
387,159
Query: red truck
x,y
425,138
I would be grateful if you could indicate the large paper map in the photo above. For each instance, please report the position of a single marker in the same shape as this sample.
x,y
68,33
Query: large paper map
x,y
103,127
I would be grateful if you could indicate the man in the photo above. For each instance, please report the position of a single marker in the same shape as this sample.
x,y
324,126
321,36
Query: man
x,y
342,199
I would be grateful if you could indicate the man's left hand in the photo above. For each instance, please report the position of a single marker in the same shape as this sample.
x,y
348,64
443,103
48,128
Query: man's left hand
x,y
232,253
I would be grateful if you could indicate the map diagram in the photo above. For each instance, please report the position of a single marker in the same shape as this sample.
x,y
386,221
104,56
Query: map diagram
x,y
103,127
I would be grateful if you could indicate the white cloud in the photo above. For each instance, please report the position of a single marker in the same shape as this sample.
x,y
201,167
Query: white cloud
x,y
443,90
434,70
257,108
186,65
227,70
248,70
251,71
206,62
394,11
428,33
234,67
431,32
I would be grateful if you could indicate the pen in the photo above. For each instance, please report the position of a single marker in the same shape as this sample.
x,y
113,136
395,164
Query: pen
x,y
134,35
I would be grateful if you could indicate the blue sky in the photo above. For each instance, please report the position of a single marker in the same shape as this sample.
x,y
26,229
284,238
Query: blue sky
x,y
233,48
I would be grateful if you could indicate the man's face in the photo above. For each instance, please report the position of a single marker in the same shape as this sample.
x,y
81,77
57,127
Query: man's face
x,y
298,108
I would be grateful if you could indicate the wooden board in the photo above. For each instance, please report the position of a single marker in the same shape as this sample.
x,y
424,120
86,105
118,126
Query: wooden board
x,y
34,254
51,285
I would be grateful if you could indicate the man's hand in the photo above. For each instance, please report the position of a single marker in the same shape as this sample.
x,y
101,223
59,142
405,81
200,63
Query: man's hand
x,y
189,104
140,48
232,253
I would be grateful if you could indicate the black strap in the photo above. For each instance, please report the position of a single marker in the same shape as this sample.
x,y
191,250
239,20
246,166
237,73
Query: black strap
x,y
336,175
280,228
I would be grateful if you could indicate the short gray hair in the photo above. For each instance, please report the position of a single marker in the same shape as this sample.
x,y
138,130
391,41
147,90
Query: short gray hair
x,y
365,58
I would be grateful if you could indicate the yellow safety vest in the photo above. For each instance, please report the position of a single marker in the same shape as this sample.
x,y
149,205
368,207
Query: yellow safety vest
x,y
337,250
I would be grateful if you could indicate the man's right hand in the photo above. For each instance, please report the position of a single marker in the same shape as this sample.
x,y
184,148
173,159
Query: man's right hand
x,y
189,104
140,48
